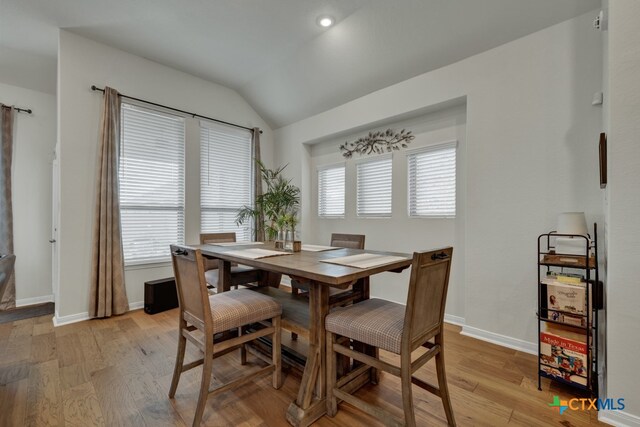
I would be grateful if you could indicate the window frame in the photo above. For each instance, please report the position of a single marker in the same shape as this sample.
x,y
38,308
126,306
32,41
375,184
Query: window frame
x,y
425,149
319,169
203,123
141,264
373,159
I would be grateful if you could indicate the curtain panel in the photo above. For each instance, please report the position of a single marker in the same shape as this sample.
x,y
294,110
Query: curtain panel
x,y
108,294
7,113
258,225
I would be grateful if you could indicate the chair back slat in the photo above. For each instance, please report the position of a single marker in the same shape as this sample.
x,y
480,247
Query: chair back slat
x,y
212,264
427,294
193,297
217,238
351,241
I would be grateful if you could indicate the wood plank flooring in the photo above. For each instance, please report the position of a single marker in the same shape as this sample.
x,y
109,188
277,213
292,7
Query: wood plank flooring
x,y
116,372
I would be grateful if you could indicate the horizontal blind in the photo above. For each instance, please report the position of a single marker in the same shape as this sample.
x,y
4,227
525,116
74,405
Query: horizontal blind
x,y
226,178
374,187
151,184
432,181
331,192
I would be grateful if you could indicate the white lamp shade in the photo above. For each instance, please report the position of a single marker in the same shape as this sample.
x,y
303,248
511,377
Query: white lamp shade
x,y
572,223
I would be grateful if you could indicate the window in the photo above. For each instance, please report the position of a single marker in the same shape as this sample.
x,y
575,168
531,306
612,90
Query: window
x,y
331,191
151,184
226,178
374,187
432,181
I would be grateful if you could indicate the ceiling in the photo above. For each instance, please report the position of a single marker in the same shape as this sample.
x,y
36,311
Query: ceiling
x,y
271,51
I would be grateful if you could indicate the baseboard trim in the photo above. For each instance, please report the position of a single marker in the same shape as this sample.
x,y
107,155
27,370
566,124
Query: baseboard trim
x,y
136,305
71,318
74,318
34,300
454,320
619,418
502,340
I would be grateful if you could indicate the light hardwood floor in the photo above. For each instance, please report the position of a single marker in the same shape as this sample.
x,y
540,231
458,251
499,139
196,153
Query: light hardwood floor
x,y
117,372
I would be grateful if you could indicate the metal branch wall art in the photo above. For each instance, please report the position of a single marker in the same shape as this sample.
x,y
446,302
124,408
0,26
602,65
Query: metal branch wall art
x,y
377,143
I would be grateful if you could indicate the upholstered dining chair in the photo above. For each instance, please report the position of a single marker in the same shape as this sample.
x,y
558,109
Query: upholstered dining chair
x,y
203,318
398,329
240,274
338,240
7,262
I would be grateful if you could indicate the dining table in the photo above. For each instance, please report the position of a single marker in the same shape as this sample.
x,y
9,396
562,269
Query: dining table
x,y
305,314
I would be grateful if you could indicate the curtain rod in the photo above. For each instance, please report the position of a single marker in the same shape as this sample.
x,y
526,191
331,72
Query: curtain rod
x,y
21,110
194,115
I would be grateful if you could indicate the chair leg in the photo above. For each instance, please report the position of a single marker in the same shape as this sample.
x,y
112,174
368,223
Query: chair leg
x,y
243,349
332,402
177,370
204,383
407,396
442,383
294,291
276,353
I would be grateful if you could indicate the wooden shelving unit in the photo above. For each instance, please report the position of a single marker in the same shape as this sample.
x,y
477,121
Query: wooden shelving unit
x,y
586,266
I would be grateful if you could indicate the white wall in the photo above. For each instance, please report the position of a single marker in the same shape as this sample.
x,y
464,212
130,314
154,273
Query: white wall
x,y
399,233
28,70
623,293
531,154
81,63
35,138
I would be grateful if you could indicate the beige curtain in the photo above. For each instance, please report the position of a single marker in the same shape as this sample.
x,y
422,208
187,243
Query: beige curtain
x,y
6,209
257,184
108,293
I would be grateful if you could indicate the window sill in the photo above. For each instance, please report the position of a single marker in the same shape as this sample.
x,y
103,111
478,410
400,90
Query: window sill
x,y
148,266
430,217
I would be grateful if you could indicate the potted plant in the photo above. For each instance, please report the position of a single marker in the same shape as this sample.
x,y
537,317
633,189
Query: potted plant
x,y
274,209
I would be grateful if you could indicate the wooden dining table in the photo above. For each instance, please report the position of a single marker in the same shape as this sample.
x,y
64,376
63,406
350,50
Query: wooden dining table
x,y
306,314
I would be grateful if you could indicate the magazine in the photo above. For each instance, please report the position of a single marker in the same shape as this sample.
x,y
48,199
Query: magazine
x,y
564,356
567,298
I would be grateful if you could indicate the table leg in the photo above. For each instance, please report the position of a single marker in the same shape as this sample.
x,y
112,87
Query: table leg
x,y
224,276
310,403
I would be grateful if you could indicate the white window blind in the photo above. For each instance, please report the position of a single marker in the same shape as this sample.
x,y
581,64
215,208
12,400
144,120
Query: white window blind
x,y
331,191
226,178
374,187
432,181
151,184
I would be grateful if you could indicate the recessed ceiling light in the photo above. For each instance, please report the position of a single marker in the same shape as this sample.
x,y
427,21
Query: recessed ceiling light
x,y
325,21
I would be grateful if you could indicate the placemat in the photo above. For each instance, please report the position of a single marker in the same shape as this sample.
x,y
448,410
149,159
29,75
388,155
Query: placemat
x,y
364,260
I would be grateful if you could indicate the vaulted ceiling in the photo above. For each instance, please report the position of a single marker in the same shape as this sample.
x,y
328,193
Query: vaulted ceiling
x,y
272,51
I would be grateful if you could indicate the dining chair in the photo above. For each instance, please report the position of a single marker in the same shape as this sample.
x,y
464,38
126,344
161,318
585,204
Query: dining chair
x,y
240,274
338,240
206,320
7,262
400,330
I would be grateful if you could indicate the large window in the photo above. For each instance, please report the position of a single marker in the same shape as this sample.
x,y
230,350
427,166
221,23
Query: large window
x,y
374,181
226,177
432,181
151,184
331,191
